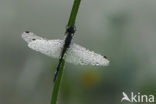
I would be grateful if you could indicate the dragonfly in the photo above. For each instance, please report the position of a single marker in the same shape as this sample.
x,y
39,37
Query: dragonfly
x,y
56,48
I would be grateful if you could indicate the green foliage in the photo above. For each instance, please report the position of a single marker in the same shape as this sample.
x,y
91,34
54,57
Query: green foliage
x,y
73,14
57,83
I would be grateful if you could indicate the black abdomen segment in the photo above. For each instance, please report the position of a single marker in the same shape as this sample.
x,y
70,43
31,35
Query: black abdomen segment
x,y
70,31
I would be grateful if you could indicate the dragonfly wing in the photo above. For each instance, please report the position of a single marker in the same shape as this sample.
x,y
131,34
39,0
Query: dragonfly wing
x,y
80,55
51,48
29,36
76,54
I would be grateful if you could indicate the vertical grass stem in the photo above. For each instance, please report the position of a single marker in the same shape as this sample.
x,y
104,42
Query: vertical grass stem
x,y
57,83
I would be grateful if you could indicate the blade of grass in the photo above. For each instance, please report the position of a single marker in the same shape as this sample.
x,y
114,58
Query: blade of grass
x,y
73,14
57,83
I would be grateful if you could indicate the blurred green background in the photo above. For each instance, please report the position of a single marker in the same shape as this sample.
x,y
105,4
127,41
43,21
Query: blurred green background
x,y
122,30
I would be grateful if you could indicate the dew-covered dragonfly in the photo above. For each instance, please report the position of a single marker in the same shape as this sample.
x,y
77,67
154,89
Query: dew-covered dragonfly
x,y
76,54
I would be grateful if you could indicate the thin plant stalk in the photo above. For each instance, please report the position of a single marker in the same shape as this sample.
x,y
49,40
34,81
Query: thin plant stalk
x,y
74,12
57,83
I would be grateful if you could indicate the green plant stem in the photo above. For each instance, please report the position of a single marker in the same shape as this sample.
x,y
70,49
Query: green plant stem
x,y
73,14
57,83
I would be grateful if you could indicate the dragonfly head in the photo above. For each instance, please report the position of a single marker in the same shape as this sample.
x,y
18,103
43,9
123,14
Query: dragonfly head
x,y
71,29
